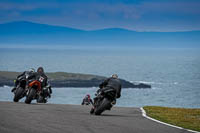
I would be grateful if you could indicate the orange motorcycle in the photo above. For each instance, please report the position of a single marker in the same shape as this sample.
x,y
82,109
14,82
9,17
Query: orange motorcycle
x,y
34,91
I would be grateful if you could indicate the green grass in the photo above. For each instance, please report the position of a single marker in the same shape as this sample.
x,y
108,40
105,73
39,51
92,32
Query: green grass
x,y
182,117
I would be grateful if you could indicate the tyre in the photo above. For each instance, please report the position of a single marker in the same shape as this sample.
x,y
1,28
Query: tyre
x,y
40,99
30,96
92,111
104,105
18,94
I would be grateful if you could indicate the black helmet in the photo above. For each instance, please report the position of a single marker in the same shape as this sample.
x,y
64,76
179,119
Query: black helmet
x,y
40,70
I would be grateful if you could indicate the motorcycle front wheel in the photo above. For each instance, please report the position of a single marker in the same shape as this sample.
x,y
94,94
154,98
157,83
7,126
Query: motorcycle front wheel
x,y
18,94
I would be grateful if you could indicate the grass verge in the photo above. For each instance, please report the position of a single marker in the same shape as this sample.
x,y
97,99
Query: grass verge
x,y
182,117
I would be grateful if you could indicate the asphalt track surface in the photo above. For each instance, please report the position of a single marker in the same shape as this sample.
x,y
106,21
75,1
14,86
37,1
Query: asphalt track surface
x,y
60,118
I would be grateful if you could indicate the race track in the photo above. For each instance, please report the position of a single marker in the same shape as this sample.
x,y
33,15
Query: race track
x,y
59,118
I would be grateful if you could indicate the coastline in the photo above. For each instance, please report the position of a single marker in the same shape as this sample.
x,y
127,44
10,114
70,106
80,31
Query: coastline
x,y
64,79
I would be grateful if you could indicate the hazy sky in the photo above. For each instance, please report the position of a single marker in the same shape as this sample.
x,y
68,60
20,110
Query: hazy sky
x,y
140,15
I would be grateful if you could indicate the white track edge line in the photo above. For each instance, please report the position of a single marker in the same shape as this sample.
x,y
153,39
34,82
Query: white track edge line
x,y
144,115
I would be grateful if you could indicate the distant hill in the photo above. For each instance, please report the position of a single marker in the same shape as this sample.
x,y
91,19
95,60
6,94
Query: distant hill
x,y
28,33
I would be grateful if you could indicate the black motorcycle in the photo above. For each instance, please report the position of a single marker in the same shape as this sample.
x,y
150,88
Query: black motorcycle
x,y
21,90
45,94
104,100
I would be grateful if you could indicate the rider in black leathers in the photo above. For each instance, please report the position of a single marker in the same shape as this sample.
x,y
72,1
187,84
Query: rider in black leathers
x,y
31,75
112,82
41,76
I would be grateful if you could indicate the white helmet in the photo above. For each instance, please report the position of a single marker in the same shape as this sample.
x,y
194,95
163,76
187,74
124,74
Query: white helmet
x,y
114,76
31,70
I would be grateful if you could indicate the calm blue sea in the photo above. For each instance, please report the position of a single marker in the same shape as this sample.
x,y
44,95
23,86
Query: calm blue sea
x,y
173,73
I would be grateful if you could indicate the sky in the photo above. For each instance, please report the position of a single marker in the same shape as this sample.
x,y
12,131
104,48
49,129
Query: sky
x,y
138,15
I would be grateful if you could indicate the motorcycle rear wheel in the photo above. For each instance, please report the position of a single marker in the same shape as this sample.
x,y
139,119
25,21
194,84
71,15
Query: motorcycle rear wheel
x,y
30,96
41,99
104,105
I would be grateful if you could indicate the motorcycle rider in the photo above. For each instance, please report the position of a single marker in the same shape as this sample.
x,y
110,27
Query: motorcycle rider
x,y
87,100
31,74
114,83
110,83
41,76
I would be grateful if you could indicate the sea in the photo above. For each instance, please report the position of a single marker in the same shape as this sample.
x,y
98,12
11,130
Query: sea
x,y
173,73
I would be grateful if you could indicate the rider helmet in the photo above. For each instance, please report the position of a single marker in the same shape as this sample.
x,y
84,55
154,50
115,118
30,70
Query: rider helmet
x,y
40,70
31,70
114,76
88,96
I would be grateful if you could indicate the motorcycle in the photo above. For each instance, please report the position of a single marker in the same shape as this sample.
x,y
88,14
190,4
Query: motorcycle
x,y
104,100
44,95
21,88
85,103
35,91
